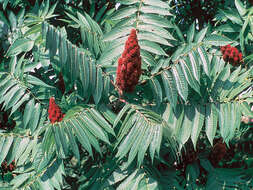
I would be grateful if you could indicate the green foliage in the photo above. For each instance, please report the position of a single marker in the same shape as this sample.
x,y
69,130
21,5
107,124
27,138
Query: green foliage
x,y
140,130
187,96
237,18
83,124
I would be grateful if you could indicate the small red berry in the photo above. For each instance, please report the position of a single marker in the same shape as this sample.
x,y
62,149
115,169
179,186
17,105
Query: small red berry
x,y
240,57
225,57
236,59
223,49
228,46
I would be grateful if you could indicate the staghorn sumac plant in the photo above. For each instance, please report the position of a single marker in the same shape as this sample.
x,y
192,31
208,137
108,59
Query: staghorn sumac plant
x,y
142,101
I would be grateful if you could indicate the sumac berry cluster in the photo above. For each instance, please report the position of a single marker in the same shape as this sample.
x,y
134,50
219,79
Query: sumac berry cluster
x,y
5,168
218,152
231,55
61,83
129,64
5,122
54,112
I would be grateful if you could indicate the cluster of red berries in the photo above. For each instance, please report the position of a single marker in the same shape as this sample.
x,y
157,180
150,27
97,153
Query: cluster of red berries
x,y
129,64
5,122
61,83
231,55
5,168
54,112
218,152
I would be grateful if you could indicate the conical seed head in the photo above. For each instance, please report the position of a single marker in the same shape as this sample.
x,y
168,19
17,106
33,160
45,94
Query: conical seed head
x,y
129,64
54,111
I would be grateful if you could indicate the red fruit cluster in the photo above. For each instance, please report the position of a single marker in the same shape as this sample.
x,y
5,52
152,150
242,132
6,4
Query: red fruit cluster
x,y
129,64
5,122
218,152
231,55
55,114
61,83
5,168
